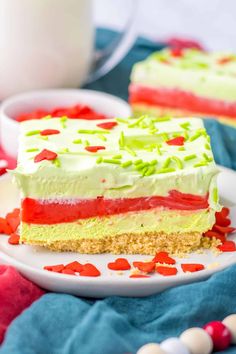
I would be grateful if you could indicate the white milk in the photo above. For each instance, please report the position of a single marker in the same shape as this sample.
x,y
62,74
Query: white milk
x,y
44,44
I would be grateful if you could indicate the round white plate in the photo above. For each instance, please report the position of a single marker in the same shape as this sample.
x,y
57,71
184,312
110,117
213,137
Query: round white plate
x,y
30,260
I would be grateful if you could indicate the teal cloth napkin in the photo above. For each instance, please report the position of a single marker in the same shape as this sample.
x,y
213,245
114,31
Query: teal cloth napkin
x,y
64,324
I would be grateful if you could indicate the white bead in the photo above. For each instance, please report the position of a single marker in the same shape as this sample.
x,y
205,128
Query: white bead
x,y
151,348
174,346
230,323
197,341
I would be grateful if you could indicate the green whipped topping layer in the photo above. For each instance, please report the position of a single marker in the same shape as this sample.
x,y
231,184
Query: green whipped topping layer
x,y
210,75
136,161
167,221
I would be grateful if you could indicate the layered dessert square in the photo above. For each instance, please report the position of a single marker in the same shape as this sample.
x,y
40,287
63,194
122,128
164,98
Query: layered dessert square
x,y
185,82
116,185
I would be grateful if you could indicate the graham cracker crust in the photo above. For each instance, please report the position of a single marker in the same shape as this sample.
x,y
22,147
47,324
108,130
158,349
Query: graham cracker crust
x,y
147,243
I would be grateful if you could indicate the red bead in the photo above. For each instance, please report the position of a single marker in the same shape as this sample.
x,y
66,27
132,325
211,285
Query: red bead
x,y
219,333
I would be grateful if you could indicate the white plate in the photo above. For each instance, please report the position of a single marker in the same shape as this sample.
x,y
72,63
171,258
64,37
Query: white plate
x,y
30,260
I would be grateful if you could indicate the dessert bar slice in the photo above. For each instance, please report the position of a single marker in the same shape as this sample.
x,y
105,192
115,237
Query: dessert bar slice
x,y
116,185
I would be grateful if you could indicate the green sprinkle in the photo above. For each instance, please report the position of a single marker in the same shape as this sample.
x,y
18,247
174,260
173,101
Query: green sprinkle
x,y
202,163
153,162
215,195
185,125
32,132
190,157
126,164
121,120
63,151
208,138
86,143
159,149
162,119
63,121
32,150
141,166
122,140
195,136
166,163
57,162
137,162
92,131
166,170
178,162
117,162
77,141
150,171
130,151
117,157
207,158
207,147
181,148
153,131
99,159
137,122
143,125
144,171
47,117
186,136
165,136
102,137
43,137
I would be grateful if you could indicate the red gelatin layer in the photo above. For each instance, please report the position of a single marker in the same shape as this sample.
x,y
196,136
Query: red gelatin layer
x,y
51,212
175,98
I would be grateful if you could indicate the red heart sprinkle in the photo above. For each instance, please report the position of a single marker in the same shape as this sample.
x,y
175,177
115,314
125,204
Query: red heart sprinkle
x,y
166,271
74,266
191,267
147,267
227,246
89,270
5,228
224,212
224,230
224,60
139,276
163,257
94,148
14,239
176,52
3,170
119,264
58,268
46,132
215,234
68,271
107,125
221,219
45,155
13,219
178,141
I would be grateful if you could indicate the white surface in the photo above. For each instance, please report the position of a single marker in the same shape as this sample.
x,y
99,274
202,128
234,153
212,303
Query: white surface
x,y
210,21
30,260
48,99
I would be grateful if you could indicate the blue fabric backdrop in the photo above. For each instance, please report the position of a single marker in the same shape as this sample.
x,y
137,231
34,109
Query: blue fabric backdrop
x,y
64,324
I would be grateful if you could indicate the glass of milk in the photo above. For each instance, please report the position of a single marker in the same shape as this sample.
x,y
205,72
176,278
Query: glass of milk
x,y
50,44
